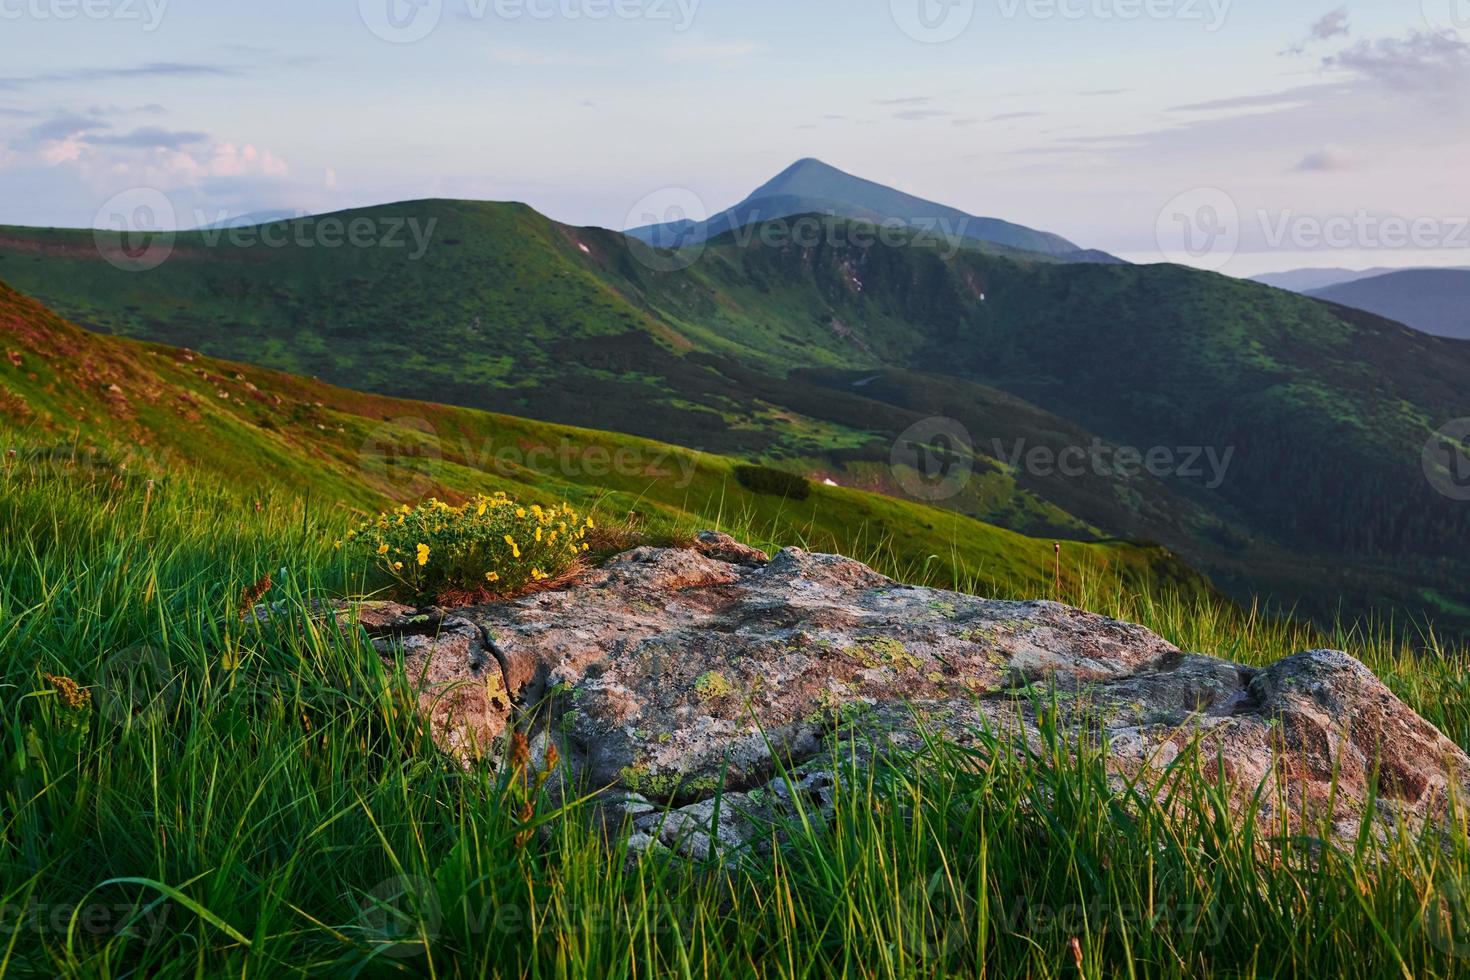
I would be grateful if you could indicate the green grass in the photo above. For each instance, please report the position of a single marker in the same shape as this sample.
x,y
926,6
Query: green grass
x,y
262,802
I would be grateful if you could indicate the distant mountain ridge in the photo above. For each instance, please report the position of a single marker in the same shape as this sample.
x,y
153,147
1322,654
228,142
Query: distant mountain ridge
x,y
1310,280
1433,301
810,186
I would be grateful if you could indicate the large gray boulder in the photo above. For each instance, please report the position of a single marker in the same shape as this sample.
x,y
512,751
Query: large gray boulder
x,y
681,683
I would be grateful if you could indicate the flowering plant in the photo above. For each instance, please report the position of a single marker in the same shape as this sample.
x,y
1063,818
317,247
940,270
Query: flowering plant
x,y
489,547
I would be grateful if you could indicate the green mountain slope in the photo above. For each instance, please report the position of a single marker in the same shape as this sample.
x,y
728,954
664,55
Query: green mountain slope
x,y
761,350
149,409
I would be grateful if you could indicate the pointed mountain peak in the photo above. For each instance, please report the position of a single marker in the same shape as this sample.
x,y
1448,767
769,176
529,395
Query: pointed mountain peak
x,y
814,186
806,176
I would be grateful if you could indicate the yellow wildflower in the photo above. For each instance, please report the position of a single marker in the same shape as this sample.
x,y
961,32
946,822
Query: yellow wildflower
x,y
383,548
423,555
71,694
515,549
492,577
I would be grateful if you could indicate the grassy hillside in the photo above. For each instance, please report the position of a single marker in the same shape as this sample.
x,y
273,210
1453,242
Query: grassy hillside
x,y
69,394
184,796
765,351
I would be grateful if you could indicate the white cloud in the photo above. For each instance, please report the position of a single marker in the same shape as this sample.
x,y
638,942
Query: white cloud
x,y
68,150
1423,62
232,161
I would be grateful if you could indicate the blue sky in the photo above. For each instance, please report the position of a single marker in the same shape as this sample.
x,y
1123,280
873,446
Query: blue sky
x,y
1090,118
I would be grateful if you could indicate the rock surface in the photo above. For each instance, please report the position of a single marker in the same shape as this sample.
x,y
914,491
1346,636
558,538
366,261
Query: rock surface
x,y
668,674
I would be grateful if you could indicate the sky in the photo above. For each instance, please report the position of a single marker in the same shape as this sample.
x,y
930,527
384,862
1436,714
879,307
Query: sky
x,y
1240,135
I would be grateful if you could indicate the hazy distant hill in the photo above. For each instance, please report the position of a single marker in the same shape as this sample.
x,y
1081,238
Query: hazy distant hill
x,y
1435,301
1311,280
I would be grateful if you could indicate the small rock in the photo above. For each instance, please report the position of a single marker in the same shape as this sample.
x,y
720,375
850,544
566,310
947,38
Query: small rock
x,y
722,547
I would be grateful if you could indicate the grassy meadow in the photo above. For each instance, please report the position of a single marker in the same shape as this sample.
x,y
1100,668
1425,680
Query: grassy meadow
x,y
183,795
